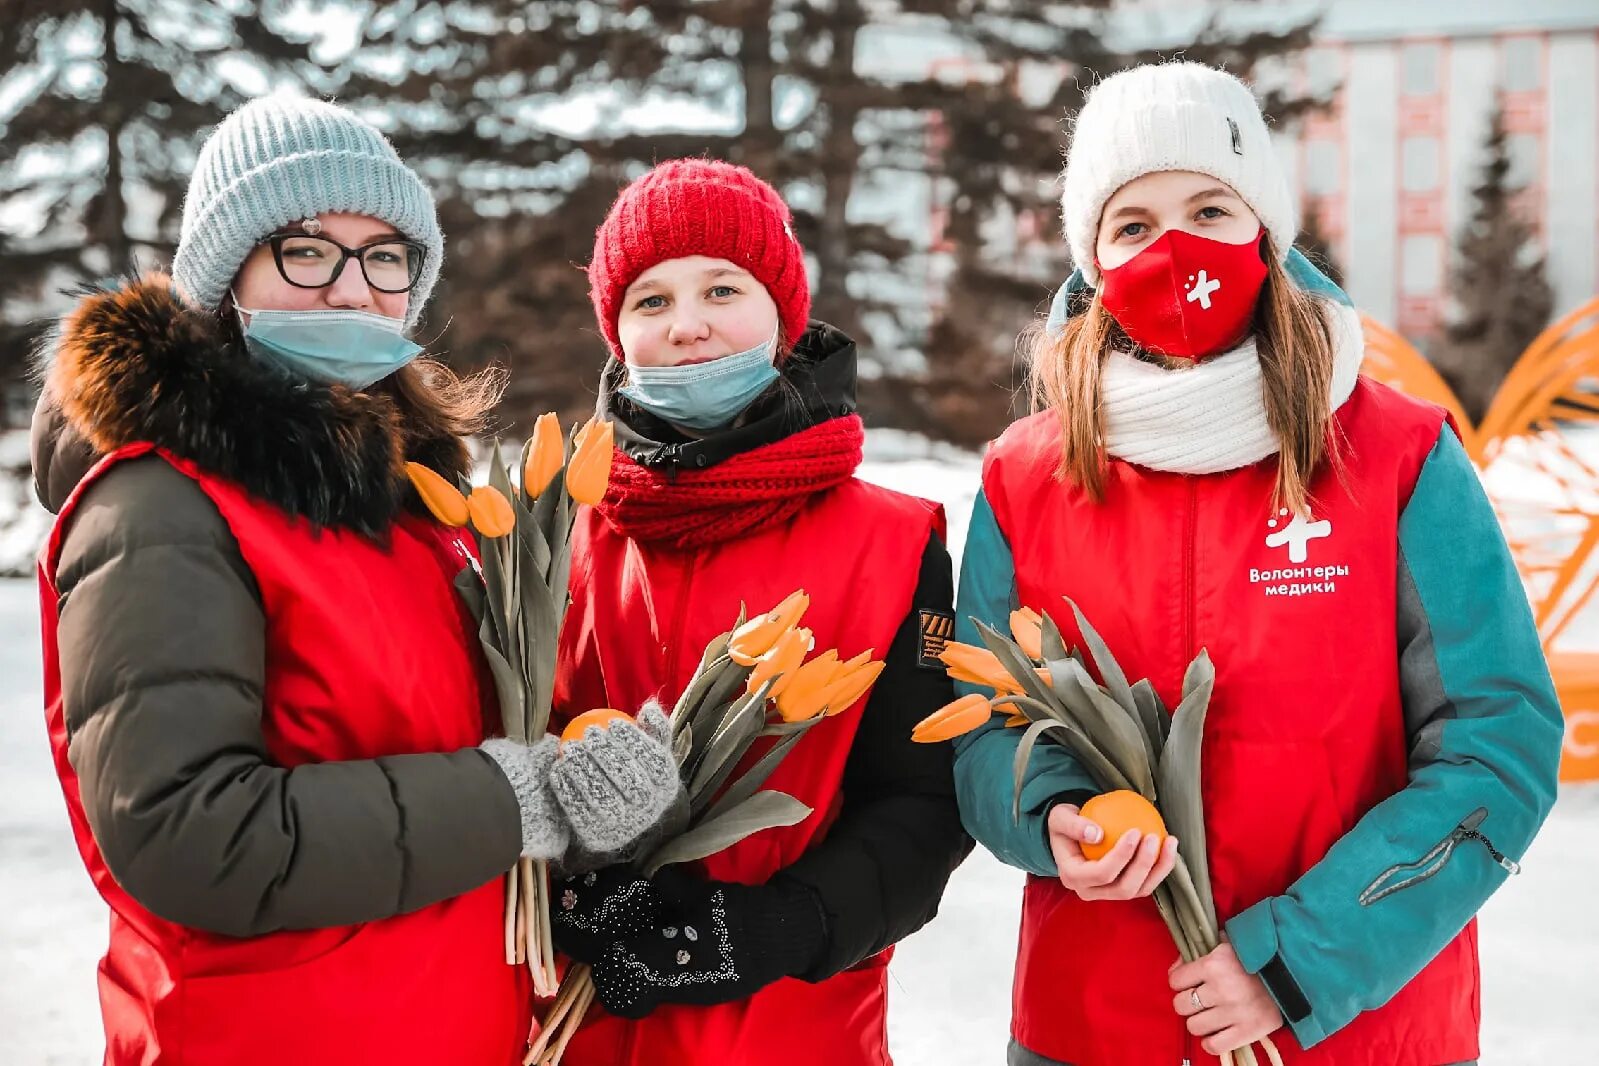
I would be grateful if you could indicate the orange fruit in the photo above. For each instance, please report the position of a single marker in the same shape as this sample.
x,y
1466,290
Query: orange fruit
x,y
578,726
1115,813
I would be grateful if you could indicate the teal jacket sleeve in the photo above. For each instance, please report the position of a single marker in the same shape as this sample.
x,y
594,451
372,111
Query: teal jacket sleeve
x,y
1484,728
984,759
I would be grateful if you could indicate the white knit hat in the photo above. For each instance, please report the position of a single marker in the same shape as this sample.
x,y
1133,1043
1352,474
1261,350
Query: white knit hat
x,y
1170,116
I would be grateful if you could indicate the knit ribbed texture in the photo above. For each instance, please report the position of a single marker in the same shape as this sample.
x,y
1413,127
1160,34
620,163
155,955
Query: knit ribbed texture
x,y
752,491
1170,116
277,160
688,207
545,833
1211,417
616,784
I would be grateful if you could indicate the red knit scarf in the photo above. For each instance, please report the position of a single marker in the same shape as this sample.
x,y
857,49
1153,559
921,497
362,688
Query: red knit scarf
x,y
744,494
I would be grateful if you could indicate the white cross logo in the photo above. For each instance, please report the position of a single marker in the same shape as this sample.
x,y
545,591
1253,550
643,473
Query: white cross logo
x,y
1297,534
1202,288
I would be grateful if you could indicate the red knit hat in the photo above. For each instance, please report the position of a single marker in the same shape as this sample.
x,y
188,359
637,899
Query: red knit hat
x,y
687,207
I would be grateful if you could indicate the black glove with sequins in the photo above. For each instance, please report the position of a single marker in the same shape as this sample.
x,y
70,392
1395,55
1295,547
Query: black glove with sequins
x,y
676,938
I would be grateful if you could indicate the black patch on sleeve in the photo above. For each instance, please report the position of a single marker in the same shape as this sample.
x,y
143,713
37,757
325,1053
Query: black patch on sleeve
x,y
936,628
1290,997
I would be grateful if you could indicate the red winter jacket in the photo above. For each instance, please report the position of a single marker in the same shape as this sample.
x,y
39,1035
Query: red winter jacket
x,y
264,698
639,620
423,987
642,614
1382,734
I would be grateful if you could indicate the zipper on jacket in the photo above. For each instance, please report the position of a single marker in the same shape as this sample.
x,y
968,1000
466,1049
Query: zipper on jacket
x,y
667,455
471,560
674,638
1190,536
1406,875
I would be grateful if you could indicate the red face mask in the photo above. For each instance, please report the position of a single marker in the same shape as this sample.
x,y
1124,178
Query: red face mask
x,y
1186,296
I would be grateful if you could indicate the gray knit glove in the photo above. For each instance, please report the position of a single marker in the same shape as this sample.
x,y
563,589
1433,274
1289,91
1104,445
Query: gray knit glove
x,y
545,834
620,791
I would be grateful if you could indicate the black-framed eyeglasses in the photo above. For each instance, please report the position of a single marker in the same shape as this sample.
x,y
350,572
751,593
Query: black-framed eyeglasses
x,y
392,265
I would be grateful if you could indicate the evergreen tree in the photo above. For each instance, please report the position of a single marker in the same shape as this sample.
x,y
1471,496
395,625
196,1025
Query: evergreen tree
x,y
102,106
1317,248
1000,163
1498,288
826,100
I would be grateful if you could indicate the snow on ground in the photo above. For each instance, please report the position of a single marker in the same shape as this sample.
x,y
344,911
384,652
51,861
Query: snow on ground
x,y
949,984
23,523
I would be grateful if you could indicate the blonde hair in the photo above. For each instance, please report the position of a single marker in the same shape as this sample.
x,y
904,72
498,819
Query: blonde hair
x,y
1296,351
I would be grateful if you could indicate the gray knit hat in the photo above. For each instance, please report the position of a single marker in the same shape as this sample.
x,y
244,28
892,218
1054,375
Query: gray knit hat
x,y
277,160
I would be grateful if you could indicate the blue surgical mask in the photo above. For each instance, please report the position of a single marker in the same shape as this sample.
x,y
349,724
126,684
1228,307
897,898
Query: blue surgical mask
x,y
354,348
703,395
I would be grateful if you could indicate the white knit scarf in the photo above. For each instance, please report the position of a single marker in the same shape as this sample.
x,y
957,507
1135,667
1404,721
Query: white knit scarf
x,y
1211,417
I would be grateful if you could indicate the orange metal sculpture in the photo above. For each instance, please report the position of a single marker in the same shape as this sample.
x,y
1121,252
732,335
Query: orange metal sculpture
x,y
1538,451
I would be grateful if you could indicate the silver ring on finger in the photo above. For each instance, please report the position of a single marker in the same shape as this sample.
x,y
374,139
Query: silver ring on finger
x,y
1199,1004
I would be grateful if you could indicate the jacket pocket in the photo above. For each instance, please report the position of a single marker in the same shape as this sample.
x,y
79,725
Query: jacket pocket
x,y
1407,875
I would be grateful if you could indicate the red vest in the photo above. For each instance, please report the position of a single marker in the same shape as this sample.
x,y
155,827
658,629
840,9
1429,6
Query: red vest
x,y
369,653
1305,731
639,620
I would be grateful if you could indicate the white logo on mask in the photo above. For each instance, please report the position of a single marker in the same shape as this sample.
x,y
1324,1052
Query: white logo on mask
x,y
1201,289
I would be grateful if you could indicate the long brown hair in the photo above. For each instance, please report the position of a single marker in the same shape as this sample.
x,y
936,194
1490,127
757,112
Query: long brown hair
x,y
436,404
1296,351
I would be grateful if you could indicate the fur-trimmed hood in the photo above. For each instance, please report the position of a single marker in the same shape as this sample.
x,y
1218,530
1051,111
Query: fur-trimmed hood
x,y
135,363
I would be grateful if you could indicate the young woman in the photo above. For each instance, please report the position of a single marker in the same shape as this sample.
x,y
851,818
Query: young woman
x,y
1209,471
734,484
266,703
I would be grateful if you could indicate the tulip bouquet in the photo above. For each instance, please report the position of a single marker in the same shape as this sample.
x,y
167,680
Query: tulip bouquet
x,y
751,699
1145,759
516,588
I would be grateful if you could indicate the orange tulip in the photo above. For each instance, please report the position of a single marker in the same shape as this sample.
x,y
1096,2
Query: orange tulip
x,y
546,457
1018,721
441,497
756,637
602,718
978,666
953,720
828,690
1026,626
859,660
802,696
846,688
490,511
590,469
780,663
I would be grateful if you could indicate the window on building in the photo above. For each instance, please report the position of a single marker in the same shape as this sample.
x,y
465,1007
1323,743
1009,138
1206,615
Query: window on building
x,y
1323,168
1523,149
1421,164
1420,62
1422,264
1324,71
1523,64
